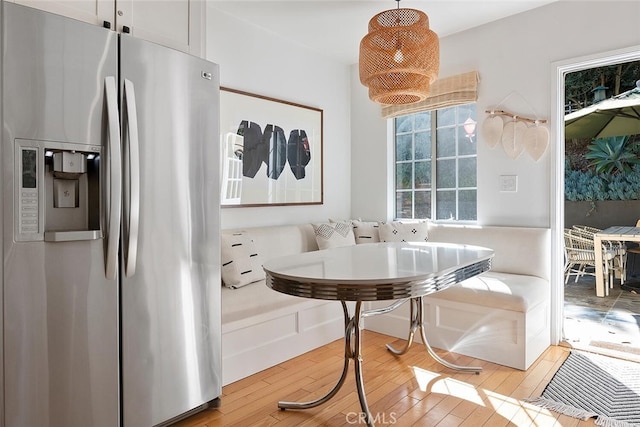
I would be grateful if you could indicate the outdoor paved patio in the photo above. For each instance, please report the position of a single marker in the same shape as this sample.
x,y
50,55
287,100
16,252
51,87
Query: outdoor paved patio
x,y
610,325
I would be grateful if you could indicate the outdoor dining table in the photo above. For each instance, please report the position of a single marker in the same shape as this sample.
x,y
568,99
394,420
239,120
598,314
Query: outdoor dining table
x,y
621,233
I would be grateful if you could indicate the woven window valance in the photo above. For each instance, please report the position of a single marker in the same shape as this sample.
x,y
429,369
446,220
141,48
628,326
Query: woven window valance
x,y
446,92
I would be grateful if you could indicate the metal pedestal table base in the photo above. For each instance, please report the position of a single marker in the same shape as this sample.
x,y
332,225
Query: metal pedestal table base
x,y
353,350
417,323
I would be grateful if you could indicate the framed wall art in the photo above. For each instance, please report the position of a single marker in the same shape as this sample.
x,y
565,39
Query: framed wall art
x,y
271,151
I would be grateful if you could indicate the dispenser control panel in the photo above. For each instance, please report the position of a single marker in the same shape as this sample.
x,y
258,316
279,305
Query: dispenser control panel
x,y
28,220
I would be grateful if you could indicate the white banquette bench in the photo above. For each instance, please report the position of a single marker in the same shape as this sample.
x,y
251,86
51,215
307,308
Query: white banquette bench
x,y
262,327
501,316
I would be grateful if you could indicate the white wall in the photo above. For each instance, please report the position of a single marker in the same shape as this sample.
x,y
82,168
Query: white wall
x,y
370,154
256,61
513,57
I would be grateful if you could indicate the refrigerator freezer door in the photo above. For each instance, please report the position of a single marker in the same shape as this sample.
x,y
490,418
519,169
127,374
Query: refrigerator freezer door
x,y
171,305
60,312
56,62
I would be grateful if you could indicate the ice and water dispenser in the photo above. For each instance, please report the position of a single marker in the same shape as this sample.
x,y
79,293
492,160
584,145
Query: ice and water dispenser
x,y
57,191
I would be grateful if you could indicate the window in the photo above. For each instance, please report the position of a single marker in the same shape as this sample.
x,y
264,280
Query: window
x,y
454,173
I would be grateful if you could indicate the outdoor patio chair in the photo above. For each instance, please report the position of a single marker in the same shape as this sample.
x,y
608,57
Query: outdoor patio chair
x,y
617,264
580,258
634,250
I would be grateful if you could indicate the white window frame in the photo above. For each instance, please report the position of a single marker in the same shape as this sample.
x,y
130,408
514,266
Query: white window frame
x,y
433,160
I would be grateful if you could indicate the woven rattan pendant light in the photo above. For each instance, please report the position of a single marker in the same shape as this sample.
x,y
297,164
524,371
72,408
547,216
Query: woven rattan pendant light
x,y
399,57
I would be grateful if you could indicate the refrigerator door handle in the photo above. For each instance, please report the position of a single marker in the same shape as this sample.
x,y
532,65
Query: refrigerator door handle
x,y
132,175
115,179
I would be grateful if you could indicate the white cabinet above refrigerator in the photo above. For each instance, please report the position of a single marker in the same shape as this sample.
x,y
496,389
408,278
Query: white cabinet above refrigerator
x,y
178,24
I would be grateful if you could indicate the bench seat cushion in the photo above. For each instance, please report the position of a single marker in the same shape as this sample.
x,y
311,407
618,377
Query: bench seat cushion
x,y
507,291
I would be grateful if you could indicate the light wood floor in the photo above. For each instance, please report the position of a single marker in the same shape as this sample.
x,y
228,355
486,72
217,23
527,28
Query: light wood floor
x,y
411,390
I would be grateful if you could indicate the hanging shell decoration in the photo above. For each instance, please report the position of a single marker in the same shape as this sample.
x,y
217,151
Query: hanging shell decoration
x,y
518,135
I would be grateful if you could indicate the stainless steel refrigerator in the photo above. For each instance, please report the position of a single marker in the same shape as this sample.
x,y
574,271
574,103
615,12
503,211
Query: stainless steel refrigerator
x,y
110,227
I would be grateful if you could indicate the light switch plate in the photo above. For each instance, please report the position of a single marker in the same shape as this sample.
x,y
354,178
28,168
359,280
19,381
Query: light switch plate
x,y
508,183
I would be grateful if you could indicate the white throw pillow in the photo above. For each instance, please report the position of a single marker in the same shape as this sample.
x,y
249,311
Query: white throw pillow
x,y
348,221
397,231
366,232
334,235
241,263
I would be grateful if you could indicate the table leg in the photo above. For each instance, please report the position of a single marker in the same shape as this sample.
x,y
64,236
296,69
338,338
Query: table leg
x,y
417,323
351,328
601,289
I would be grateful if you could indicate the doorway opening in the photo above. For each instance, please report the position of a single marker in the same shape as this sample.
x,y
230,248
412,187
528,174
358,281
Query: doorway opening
x,y
609,325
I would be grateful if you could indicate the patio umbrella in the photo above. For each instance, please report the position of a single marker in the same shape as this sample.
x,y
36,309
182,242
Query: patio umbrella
x,y
615,116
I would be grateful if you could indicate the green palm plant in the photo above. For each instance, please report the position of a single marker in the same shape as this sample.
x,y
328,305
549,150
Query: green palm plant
x,y
611,155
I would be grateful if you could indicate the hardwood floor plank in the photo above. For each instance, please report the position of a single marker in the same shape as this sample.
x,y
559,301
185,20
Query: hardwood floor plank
x,y
407,390
450,421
